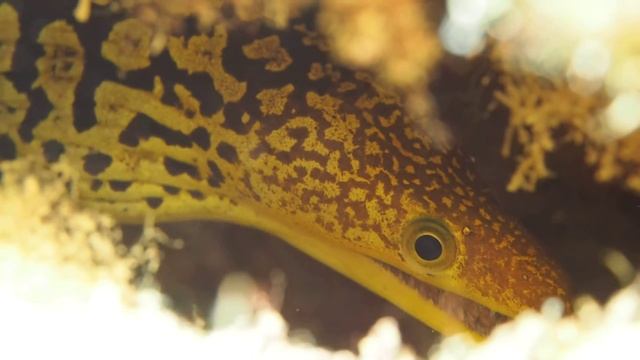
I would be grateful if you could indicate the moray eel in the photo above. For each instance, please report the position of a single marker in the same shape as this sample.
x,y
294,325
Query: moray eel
x,y
257,127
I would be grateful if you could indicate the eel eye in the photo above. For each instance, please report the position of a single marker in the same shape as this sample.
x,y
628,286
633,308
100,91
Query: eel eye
x,y
428,247
429,244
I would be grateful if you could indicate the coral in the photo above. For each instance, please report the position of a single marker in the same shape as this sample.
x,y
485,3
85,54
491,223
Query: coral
x,y
66,289
49,228
538,108
394,39
567,67
619,160
594,332
547,112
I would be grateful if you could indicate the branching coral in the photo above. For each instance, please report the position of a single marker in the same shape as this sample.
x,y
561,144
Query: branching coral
x,y
544,113
570,66
619,160
538,108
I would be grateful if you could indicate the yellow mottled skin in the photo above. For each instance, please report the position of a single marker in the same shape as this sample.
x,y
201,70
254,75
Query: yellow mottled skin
x,y
258,128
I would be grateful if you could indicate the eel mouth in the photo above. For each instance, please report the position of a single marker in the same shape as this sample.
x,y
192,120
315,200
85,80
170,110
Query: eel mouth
x,y
476,317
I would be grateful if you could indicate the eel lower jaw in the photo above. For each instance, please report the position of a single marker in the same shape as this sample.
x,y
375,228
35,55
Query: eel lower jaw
x,y
478,319
441,310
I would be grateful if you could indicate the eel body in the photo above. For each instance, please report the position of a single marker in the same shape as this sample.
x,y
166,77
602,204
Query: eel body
x,y
257,127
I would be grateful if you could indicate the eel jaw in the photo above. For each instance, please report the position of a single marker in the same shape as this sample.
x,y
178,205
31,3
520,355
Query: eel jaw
x,y
478,319
441,310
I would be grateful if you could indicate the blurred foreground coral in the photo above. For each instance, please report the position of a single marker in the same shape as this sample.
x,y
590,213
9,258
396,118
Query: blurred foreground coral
x,y
66,285
69,288
594,332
